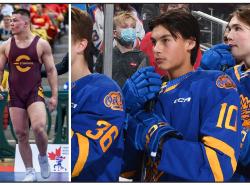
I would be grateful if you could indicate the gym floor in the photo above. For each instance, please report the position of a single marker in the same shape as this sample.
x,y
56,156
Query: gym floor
x,y
19,176
7,174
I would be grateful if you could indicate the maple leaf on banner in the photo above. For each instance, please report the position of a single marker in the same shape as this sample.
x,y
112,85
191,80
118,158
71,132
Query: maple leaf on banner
x,y
52,155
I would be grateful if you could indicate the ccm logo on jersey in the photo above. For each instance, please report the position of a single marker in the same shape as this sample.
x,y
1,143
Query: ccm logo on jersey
x,y
114,101
182,100
73,105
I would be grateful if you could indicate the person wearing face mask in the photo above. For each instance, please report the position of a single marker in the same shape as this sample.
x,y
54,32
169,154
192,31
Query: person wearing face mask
x,y
126,59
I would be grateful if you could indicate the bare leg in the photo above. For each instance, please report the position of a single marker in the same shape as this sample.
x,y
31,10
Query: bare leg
x,y
19,120
37,115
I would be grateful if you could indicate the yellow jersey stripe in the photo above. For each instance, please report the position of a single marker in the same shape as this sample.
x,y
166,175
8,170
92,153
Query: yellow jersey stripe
x,y
171,88
214,164
83,144
40,93
72,133
236,72
221,146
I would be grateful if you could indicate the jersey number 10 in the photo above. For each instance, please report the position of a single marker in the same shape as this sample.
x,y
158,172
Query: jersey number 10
x,y
231,109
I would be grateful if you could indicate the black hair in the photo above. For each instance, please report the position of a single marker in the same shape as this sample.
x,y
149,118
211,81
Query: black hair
x,y
181,22
22,12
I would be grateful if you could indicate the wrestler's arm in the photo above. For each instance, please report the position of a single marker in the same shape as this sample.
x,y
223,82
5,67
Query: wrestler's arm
x,y
48,60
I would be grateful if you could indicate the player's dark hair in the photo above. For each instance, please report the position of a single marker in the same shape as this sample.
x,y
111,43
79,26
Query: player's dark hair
x,y
23,12
181,22
82,28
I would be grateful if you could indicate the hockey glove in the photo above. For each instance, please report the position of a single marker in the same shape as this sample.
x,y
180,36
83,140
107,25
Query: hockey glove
x,y
143,85
218,57
146,131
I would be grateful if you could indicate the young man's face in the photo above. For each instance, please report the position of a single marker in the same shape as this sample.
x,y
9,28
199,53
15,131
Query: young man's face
x,y
17,24
239,39
170,54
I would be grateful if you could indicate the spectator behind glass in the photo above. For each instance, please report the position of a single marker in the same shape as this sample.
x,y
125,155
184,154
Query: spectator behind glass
x,y
140,33
149,11
6,9
126,59
55,13
5,31
97,15
39,19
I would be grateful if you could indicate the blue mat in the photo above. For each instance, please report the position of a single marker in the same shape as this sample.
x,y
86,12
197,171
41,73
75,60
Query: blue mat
x,y
19,176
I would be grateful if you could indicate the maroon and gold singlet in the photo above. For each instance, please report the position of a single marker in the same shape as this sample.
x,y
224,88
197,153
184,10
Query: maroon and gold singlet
x,y
24,75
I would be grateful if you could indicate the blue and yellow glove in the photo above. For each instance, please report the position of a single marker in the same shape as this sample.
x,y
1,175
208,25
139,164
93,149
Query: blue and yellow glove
x,y
142,86
219,57
146,131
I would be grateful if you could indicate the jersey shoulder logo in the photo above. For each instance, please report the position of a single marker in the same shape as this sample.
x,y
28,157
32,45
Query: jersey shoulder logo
x,y
224,81
114,101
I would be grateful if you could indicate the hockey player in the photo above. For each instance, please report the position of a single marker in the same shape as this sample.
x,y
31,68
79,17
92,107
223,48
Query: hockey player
x,y
237,51
97,115
193,131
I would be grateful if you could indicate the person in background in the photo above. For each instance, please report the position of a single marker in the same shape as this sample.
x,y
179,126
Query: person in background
x,y
140,32
5,30
126,59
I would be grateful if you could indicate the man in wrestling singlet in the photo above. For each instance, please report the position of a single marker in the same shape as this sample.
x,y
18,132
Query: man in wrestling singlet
x,y
25,54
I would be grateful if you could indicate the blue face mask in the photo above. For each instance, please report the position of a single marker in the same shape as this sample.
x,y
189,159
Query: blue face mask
x,y
128,36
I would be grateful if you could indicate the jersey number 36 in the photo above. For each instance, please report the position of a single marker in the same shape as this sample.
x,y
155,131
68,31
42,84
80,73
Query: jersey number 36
x,y
105,132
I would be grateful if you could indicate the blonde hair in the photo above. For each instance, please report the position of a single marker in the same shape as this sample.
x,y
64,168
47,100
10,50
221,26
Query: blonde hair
x,y
122,17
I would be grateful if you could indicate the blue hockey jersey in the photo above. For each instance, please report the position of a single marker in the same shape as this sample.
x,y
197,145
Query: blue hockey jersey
x,y
97,121
243,85
205,108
